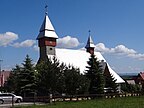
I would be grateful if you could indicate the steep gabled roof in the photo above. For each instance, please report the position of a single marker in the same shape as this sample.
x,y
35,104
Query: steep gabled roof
x,y
79,58
90,43
47,29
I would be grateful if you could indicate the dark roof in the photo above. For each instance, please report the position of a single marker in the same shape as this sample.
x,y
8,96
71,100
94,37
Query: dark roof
x,y
142,75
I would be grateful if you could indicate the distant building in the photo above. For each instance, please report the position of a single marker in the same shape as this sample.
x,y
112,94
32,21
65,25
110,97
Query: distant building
x,y
134,78
140,79
78,58
131,82
4,75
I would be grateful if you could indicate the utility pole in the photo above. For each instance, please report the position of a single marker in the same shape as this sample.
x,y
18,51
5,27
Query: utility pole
x,y
0,66
0,73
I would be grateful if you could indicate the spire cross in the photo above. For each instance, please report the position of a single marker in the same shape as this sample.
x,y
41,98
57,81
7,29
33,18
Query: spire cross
x,y
46,9
89,32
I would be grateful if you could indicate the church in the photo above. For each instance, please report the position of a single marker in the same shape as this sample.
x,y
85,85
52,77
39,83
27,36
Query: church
x,y
47,42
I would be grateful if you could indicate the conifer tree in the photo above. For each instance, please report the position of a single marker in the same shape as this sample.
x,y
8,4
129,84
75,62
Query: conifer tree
x,y
22,79
95,74
27,77
48,73
55,77
110,82
12,83
72,80
61,87
83,84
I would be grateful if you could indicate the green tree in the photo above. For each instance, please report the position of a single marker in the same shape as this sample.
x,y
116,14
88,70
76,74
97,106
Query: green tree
x,y
131,88
110,83
94,73
84,84
75,82
27,77
22,79
57,78
72,81
61,87
48,75
12,82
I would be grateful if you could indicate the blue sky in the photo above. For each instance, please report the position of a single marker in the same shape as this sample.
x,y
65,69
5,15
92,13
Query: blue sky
x,y
117,29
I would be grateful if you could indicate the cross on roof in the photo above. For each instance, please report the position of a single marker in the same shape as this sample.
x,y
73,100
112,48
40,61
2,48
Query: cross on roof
x,y
46,9
89,32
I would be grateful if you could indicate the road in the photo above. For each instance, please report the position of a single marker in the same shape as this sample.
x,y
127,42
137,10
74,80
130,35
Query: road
x,y
9,105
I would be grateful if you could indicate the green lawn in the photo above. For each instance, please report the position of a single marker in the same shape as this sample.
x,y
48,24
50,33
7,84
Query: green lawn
x,y
124,102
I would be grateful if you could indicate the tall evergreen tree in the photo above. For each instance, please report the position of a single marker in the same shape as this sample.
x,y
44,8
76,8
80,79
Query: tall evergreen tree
x,y
95,74
22,79
72,80
84,84
110,82
61,86
27,77
48,73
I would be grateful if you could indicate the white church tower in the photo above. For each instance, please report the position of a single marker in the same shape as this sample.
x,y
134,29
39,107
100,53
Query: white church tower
x,y
47,38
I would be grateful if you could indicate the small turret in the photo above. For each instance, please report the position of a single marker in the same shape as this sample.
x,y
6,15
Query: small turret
x,y
90,45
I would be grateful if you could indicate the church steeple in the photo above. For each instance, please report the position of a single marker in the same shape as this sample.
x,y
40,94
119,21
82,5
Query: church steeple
x,y
47,29
47,38
90,45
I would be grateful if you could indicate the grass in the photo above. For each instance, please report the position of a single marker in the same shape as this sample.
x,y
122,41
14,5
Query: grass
x,y
125,102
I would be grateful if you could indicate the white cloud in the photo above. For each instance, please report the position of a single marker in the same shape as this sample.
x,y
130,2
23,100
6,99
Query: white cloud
x,y
119,50
26,43
100,47
68,42
7,38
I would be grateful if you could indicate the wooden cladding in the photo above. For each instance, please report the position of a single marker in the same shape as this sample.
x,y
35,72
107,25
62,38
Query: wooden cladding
x,y
47,42
90,50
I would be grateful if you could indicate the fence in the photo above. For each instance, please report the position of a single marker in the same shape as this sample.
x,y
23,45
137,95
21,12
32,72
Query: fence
x,y
50,99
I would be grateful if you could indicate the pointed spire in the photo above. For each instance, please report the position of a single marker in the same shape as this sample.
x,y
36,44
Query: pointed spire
x,y
90,43
47,29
